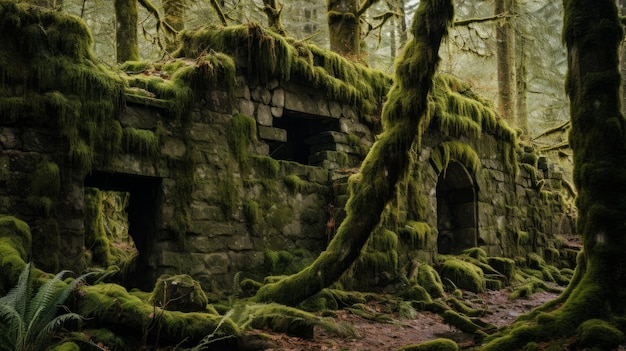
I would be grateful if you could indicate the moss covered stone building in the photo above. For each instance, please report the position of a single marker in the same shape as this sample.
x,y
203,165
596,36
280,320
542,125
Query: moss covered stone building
x,y
237,155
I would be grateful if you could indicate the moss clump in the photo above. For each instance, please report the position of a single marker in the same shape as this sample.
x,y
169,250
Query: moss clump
x,y
179,293
429,279
598,334
463,274
112,306
15,249
432,345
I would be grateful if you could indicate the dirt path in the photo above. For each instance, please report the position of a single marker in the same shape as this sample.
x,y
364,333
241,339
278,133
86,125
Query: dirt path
x,y
400,332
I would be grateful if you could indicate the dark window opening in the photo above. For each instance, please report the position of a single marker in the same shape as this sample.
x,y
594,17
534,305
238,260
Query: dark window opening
x,y
143,198
303,137
457,215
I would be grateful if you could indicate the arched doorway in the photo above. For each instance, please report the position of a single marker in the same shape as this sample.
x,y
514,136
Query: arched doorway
x,y
457,215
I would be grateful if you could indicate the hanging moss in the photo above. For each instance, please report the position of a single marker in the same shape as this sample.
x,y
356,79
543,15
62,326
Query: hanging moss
x,y
241,131
270,55
144,142
60,83
457,151
45,186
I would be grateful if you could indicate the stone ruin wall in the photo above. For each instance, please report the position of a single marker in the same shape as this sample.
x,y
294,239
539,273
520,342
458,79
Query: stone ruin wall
x,y
221,239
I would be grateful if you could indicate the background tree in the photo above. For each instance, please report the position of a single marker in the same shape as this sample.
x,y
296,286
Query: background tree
x,y
594,305
384,164
505,49
127,46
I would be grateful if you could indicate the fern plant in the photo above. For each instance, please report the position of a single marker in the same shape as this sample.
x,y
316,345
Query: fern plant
x,y
28,317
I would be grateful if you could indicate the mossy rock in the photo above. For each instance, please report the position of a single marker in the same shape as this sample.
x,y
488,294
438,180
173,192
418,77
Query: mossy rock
x,y
429,279
179,293
598,334
432,345
15,248
464,275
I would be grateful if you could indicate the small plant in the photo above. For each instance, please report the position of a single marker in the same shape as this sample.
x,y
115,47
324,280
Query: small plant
x,y
29,317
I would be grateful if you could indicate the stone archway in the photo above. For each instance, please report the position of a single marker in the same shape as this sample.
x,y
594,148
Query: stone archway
x,y
457,210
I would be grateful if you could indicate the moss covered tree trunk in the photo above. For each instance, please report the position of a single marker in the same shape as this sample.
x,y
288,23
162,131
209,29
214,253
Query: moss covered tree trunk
x,y
386,162
593,33
273,10
343,26
127,48
594,305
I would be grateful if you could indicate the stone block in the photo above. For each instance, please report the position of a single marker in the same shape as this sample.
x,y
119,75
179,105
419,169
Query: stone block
x,y
277,112
275,134
278,98
173,148
246,107
262,95
335,109
264,115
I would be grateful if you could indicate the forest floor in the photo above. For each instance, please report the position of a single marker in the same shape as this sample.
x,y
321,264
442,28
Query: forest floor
x,y
374,336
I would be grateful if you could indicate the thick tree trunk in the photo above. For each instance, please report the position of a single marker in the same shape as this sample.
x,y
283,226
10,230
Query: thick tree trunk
x,y
126,30
506,63
598,140
592,32
344,27
386,162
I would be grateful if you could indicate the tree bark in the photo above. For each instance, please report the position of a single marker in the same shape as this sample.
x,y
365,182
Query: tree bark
x,y
344,27
385,163
273,10
506,63
127,48
592,32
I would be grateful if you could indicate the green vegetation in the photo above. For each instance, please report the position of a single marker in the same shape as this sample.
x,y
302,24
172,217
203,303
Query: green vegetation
x,y
30,318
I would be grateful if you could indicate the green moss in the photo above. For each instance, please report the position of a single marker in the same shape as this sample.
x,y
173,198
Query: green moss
x,y
143,142
241,131
15,248
415,292
66,346
432,345
112,306
416,234
463,274
429,279
179,293
457,151
270,55
265,167
252,212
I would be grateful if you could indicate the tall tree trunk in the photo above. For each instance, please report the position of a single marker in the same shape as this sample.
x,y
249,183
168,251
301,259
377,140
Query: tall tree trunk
x,y
385,163
344,26
622,59
521,102
592,32
127,48
506,63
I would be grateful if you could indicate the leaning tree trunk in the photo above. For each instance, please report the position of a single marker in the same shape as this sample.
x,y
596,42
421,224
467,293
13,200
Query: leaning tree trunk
x,y
592,32
386,162
126,30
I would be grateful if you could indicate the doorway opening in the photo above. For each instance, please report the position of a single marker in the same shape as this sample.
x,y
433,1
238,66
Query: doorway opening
x,y
129,203
457,210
